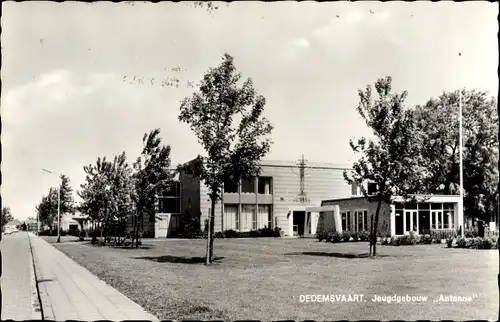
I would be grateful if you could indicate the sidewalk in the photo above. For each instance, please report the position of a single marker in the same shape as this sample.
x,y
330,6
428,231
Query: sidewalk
x,y
19,295
70,292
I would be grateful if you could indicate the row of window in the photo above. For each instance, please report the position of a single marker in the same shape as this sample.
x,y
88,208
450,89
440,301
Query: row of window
x,y
250,217
248,186
424,206
357,221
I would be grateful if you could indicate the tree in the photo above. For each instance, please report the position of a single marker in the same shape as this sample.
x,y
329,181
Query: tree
x,y
392,159
67,201
153,175
47,208
234,149
439,123
6,216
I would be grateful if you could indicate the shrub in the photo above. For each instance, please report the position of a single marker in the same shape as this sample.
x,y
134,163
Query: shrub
x,y
449,242
277,231
488,243
346,236
471,233
219,234
267,232
364,235
461,242
321,235
395,241
230,233
334,237
355,235
147,234
386,241
426,239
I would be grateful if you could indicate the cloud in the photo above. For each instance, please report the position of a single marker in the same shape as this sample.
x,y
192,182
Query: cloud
x,y
302,43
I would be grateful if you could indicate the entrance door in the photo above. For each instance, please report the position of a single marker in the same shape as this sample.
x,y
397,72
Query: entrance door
x,y
411,220
437,219
399,223
299,221
424,222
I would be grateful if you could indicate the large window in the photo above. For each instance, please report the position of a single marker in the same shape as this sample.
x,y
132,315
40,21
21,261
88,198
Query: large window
x,y
248,217
247,186
344,220
170,201
264,186
264,218
360,220
230,217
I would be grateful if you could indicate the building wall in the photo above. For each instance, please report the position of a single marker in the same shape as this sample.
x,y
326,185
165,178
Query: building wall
x,y
322,181
353,204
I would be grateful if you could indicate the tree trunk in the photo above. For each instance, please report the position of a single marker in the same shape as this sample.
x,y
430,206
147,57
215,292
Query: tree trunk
x,y
375,228
371,234
211,231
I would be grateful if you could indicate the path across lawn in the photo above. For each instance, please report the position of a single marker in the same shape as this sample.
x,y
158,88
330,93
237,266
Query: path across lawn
x,y
265,278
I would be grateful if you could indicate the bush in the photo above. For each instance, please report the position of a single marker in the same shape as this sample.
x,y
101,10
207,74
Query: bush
x,y
321,235
488,243
449,242
219,234
346,236
395,241
147,234
334,237
230,233
364,235
386,241
471,233
355,235
426,239
476,243
82,235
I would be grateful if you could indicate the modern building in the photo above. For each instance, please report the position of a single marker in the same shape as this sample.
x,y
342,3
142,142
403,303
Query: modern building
x,y
395,218
279,197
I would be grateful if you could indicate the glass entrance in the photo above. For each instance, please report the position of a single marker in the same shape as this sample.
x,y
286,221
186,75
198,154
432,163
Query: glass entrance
x,y
410,221
437,219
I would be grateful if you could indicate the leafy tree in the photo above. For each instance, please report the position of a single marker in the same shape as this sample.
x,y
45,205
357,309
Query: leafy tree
x,y
67,201
47,208
6,216
392,159
122,194
438,120
93,192
153,175
233,148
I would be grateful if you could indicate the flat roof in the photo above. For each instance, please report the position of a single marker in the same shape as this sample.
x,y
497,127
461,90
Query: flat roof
x,y
295,164
429,198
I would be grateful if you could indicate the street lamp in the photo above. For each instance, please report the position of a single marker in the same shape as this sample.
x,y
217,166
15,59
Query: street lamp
x,y
58,209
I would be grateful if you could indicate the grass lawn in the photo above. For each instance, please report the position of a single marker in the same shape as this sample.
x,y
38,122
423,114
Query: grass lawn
x,y
264,278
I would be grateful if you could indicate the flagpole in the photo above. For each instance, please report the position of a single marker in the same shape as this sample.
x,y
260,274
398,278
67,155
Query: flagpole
x,y
461,163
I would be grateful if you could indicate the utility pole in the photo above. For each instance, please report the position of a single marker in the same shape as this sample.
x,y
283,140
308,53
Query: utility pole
x,y
461,164
59,214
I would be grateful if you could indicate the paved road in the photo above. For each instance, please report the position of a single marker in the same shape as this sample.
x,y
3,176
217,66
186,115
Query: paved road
x,y
16,277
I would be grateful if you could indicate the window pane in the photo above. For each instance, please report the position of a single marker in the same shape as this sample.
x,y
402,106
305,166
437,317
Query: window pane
x,y
174,190
437,206
344,221
399,205
247,186
354,189
348,220
446,219
264,186
372,188
424,206
169,205
415,221
365,214
360,220
411,205
230,216
448,206
408,223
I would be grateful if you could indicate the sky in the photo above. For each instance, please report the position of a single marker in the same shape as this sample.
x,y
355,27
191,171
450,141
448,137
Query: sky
x,y
69,95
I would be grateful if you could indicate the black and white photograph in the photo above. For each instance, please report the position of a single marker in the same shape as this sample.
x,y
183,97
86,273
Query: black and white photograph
x,y
250,160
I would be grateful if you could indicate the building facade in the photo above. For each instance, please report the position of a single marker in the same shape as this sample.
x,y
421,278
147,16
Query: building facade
x,y
279,197
395,218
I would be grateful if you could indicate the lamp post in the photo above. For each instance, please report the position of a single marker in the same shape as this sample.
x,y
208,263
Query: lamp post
x,y
58,209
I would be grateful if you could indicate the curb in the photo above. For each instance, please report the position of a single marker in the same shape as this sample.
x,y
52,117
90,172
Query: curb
x,y
37,310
